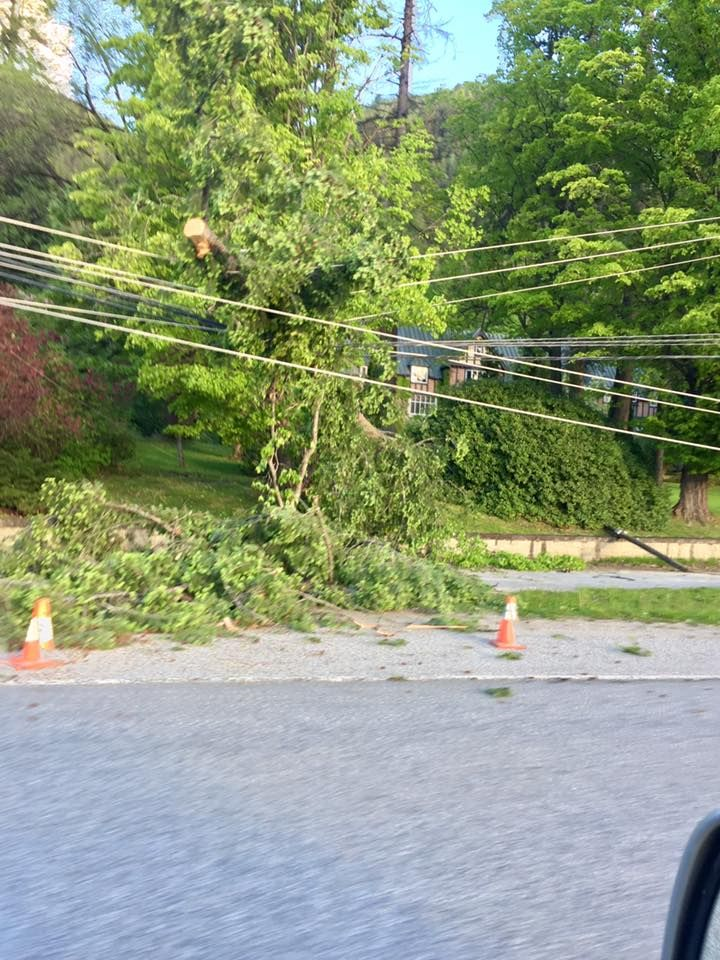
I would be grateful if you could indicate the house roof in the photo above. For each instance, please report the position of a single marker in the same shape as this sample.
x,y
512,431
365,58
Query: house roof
x,y
432,353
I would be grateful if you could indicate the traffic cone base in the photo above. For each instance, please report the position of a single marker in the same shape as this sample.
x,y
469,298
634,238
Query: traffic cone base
x,y
39,645
20,662
505,639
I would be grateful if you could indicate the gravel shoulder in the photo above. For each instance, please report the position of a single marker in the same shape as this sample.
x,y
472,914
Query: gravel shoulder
x,y
401,647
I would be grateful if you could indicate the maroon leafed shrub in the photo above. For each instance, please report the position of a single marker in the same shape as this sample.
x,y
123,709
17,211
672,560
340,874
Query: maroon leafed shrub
x,y
54,420
37,389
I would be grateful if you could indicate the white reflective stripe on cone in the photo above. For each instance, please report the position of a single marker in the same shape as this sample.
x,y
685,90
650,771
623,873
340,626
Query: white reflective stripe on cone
x,y
511,611
45,632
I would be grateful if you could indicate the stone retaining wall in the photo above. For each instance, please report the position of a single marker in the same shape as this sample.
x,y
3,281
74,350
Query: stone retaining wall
x,y
593,549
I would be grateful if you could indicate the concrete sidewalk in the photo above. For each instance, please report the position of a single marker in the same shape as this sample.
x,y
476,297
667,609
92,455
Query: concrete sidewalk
x,y
398,650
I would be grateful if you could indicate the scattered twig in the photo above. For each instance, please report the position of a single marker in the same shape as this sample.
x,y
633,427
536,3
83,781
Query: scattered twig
x,y
437,626
342,613
171,529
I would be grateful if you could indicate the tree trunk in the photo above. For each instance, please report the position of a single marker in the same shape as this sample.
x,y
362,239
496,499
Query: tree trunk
x,y
621,407
180,451
403,104
238,452
692,507
660,464
555,371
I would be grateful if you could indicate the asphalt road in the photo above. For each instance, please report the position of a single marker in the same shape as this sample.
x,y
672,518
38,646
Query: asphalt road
x,y
625,579
418,821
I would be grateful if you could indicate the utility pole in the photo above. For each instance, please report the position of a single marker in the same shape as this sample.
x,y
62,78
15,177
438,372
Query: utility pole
x,y
406,54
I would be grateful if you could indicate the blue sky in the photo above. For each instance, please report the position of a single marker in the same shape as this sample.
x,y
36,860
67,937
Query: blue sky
x,y
471,49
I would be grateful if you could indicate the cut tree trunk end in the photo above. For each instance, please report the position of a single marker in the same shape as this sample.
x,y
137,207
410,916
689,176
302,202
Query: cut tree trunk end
x,y
692,507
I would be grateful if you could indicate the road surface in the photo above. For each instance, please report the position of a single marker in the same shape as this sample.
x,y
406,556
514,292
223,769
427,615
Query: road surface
x,y
515,581
417,821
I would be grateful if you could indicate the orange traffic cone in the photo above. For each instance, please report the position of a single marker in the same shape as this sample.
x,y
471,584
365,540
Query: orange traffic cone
x,y
39,645
505,639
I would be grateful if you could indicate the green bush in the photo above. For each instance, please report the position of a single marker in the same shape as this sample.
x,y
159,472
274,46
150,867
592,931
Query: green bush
x,y
516,466
21,475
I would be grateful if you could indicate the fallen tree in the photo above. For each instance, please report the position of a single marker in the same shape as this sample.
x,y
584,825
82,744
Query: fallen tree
x,y
196,576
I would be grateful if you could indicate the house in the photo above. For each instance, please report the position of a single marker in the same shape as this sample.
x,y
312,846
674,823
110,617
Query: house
x,y
428,362
450,359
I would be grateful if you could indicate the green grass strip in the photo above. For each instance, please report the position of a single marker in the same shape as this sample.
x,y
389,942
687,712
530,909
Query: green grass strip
x,y
693,605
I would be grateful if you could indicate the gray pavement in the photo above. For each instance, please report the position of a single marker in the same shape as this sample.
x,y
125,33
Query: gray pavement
x,y
627,578
402,645
351,821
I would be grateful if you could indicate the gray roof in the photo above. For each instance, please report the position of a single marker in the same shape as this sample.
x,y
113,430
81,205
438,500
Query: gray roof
x,y
431,352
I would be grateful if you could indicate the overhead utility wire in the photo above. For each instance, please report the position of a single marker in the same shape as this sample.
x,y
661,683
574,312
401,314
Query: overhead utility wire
x,y
57,311
12,249
21,281
354,378
123,316
395,337
602,390
365,330
165,287
561,238
610,231
515,268
114,291
346,325
79,236
102,269
616,380
567,283
543,342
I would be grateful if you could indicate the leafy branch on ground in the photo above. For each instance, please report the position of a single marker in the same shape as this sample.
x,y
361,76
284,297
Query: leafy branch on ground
x,y
207,575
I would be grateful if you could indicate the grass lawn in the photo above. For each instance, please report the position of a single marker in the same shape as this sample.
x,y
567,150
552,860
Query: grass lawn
x,y
699,605
210,481
475,522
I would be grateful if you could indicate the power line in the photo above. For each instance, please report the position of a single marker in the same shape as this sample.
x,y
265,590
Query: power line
x,y
123,316
113,291
160,285
576,373
211,298
556,263
395,337
561,238
568,283
14,250
602,390
365,330
610,231
113,272
78,236
399,353
398,388
602,339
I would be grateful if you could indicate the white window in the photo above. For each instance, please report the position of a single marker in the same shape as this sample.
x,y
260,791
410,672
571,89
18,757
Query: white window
x,y
473,374
419,374
476,352
420,404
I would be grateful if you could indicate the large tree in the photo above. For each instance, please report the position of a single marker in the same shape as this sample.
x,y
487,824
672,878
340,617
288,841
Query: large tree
x,y
248,118
602,115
